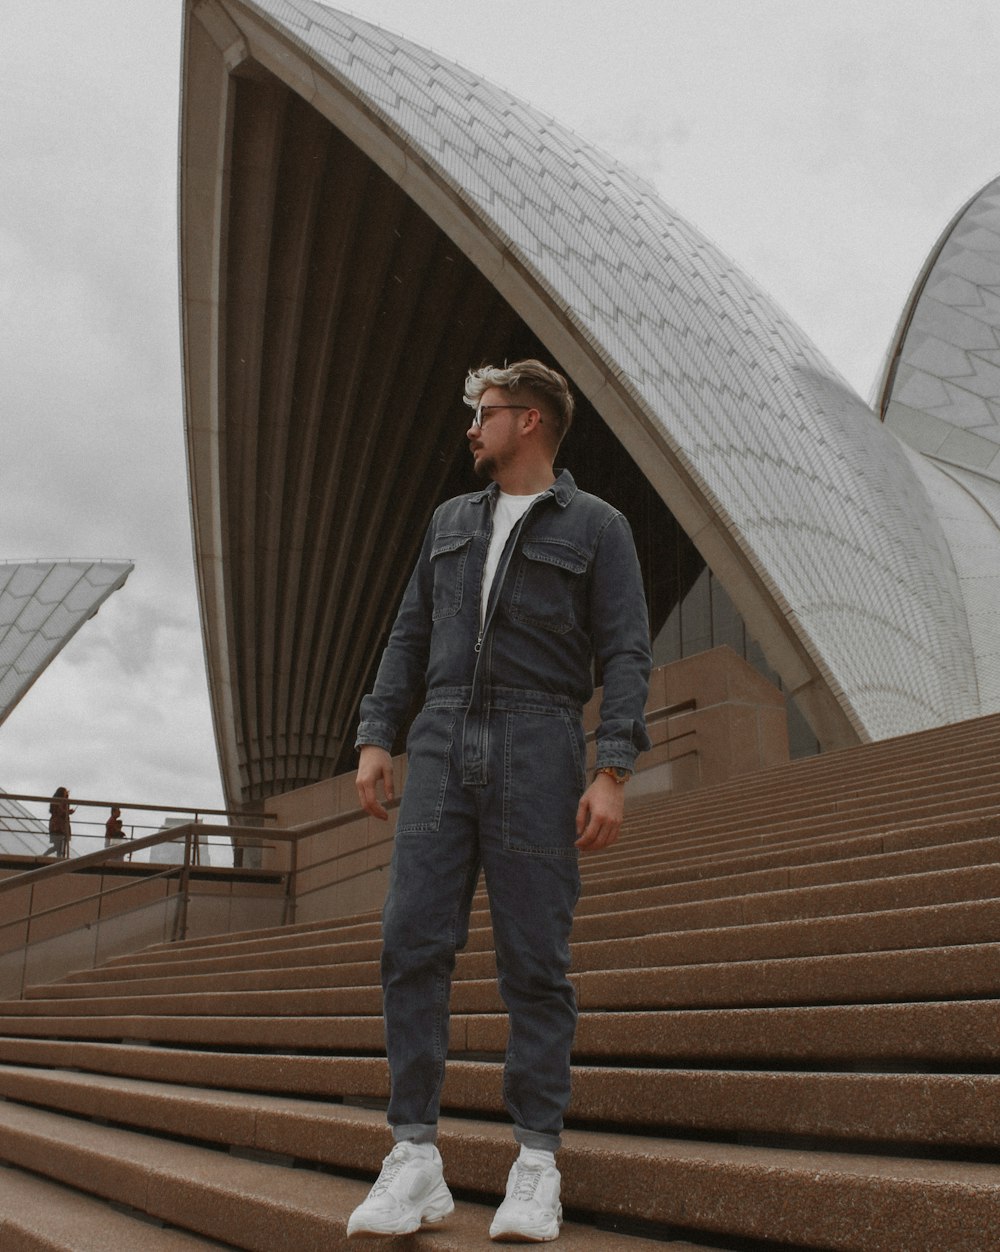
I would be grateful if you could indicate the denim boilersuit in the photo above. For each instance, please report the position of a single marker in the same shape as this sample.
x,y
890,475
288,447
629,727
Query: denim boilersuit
x,y
496,768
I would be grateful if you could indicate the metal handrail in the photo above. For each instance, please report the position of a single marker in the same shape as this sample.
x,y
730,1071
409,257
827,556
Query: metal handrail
x,y
66,865
157,808
188,831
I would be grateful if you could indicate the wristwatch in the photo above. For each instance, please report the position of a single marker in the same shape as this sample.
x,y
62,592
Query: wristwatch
x,y
621,776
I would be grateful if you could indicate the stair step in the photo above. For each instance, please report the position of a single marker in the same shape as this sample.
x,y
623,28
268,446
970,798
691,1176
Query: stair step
x,y
246,1203
913,974
858,814
783,903
926,1110
941,1033
818,1199
968,870
925,927
966,921
800,846
42,1216
831,863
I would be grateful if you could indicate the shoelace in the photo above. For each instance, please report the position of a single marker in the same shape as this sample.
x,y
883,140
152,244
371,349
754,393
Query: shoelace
x,y
390,1170
526,1182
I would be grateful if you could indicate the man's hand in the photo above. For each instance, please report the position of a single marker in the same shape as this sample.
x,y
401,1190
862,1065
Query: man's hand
x,y
599,817
374,765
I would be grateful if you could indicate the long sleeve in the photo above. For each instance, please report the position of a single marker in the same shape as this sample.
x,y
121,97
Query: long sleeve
x,y
620,630
404,661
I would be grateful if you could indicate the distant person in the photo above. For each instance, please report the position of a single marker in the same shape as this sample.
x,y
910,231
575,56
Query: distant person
x,y
59,827
114,829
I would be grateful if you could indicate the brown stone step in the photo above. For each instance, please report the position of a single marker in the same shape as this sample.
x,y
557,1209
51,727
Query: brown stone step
x,y
942,1034
904,865
976,921
41,1216
702,910
668,857
811,1199
342,1034
943,1110
770,790
924,927
672,848
934,751
816,1199
763,799
676,838
773,799
310,1002
806,862
348,929
916,847
672,923
865,978
244,1203
912,974
325,954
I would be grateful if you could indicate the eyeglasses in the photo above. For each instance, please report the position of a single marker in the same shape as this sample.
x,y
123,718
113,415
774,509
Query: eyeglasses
x,y
484,410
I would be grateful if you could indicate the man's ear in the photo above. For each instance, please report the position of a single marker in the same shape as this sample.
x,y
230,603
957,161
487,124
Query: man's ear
x,y
531,419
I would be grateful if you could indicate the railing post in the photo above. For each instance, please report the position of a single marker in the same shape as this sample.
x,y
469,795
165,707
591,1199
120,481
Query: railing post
x,y
180,922
292,883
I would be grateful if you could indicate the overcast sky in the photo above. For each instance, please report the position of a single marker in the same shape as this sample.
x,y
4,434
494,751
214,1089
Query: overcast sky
x,y
823,144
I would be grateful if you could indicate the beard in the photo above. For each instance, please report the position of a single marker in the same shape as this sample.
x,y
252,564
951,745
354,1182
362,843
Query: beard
x,y
485,468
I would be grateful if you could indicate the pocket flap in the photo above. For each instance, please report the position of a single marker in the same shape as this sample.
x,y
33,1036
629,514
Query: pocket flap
x,y
557,552
444,544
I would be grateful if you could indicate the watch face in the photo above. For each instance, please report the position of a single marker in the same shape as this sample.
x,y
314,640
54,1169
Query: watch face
x,y
619,775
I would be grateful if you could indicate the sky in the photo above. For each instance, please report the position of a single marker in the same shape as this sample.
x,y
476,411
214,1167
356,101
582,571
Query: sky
x,y
824,145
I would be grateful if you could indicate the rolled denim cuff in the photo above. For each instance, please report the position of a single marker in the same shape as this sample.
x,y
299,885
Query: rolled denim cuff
x,y
537,1139
375,735
616,753
415,1132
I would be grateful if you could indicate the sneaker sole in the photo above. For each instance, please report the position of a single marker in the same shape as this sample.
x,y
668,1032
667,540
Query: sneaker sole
x,y
518,1236
522,1236
431,1216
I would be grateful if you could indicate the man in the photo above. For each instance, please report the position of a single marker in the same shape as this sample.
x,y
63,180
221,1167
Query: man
x,y
518,590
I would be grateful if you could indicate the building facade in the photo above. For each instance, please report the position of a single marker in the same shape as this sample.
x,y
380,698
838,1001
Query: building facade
x,y
361,221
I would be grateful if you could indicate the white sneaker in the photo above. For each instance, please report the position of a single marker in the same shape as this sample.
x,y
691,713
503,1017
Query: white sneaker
x,y
409,1191
531,1212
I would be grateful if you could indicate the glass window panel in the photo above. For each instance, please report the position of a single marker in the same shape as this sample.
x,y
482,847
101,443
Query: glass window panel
x,y
696,616
727,625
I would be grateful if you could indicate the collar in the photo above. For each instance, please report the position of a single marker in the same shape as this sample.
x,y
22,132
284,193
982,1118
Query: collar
x,y
562,490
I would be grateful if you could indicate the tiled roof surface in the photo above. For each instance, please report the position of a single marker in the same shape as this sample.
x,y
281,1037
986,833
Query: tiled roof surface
x,y
818,493
42,605
944,394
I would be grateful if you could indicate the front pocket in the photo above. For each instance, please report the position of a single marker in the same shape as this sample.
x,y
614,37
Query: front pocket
x,y
544,778
548,585
428,762
448,558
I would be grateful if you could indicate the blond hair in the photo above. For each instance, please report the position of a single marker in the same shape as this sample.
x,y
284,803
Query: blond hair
x,y
545,387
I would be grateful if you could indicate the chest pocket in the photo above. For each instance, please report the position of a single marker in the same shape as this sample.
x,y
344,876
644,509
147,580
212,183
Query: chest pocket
x,y
448,558
549,585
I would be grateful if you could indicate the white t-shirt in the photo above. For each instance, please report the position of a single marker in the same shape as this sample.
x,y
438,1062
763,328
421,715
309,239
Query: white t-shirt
x,y
508,512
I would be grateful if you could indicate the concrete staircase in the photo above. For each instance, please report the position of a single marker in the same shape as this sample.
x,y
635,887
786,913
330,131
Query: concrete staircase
x,y
789,1037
